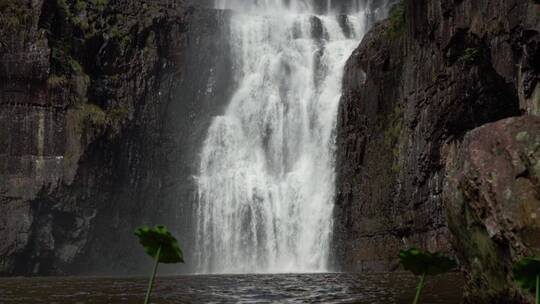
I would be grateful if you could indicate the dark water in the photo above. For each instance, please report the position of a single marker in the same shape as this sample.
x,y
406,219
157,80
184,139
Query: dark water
x,y
278,288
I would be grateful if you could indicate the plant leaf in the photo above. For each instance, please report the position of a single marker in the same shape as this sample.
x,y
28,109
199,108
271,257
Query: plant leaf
x,y
440,264
525,272
152,239
420,262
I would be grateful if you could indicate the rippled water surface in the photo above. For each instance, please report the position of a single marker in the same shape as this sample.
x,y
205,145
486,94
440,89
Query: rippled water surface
x,y
278,288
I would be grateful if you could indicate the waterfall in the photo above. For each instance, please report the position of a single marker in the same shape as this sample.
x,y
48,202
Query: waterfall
x,y
266,180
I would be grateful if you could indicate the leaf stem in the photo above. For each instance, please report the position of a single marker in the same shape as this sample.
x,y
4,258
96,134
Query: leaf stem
x,y
419,289
150,285
538,289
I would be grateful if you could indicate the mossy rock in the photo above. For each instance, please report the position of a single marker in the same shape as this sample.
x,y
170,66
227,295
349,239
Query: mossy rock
x,y
397,17
471,56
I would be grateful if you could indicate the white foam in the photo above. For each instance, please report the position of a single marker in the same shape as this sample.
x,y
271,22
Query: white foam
x,y
266,182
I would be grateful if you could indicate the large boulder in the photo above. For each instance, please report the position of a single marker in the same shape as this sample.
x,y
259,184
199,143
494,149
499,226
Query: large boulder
x,y
492,200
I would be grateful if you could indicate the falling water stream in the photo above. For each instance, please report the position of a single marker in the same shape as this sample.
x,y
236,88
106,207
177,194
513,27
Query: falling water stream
x,y
266,182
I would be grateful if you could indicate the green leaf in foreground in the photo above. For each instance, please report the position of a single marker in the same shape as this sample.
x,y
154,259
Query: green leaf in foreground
x,y
425,263
153,239
527,275
160,244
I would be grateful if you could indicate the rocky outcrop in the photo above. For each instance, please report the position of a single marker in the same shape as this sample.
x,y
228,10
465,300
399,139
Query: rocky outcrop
x,y
492,198
419,81
101,107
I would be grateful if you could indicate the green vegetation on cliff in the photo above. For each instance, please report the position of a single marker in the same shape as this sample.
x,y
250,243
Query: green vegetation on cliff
x,y
527,275
397,20
89,42
13,15
392,134
471,55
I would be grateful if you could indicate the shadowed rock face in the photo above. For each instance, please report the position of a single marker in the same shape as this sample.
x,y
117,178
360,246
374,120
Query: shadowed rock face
x,y
492,198
408,91
101,114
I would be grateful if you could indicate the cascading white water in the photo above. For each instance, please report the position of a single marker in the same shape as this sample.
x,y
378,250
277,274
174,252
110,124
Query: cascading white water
x,y
266,182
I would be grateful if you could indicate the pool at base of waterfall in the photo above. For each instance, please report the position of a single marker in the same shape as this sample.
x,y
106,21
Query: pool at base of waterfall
x,y
268,288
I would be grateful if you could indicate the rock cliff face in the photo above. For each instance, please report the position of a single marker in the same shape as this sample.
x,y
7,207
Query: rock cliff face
x,y
418,83
102,104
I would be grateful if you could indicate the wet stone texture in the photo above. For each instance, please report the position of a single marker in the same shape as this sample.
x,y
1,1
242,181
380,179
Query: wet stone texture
x,y
492,198
414,87
100,114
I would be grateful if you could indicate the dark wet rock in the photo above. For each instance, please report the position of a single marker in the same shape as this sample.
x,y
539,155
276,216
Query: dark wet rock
x,y
101,111
317,28
411,88
492,198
